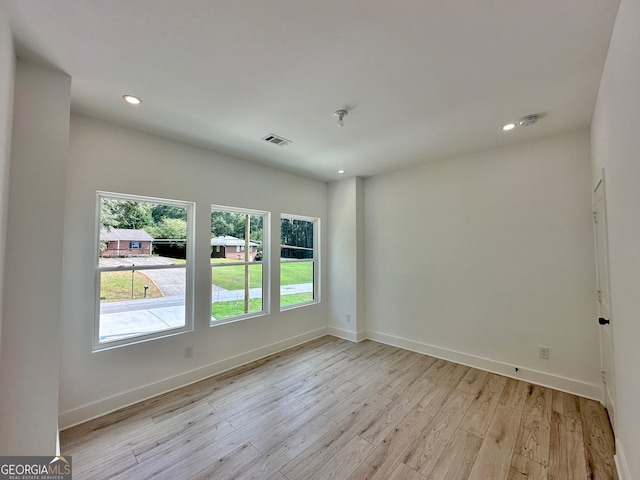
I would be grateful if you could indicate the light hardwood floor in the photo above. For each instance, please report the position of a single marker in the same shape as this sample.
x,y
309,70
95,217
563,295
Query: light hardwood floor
x,y
331,409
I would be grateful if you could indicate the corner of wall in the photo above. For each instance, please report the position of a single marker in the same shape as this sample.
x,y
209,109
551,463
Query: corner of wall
x,y
7,80
343,314
622,467
40,140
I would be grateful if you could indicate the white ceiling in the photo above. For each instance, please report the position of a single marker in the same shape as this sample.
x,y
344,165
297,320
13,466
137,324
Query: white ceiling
x,y
423,80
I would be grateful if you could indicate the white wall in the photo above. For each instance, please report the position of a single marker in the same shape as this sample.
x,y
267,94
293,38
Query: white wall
x,y
7,72
483,258
107,157
346,254
616,147
29,366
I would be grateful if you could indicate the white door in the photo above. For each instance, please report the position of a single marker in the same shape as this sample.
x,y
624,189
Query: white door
x,y
604,305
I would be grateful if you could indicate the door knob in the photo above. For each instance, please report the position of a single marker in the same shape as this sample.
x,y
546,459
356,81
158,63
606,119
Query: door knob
x,y
603,321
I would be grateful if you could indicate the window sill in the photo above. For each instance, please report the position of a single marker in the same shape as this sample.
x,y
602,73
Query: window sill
x,y
299,305
239,318
139,339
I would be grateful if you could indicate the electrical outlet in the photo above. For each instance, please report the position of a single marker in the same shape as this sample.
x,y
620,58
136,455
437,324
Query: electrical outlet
x,y
544,353
348,318
188,352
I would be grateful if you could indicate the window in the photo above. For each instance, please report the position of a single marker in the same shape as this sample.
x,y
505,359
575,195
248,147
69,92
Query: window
x,y
238,267
299,271
143,269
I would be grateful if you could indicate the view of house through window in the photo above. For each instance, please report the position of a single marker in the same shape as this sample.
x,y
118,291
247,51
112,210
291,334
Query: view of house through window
x,y
238,268
143,257
144,254
298,260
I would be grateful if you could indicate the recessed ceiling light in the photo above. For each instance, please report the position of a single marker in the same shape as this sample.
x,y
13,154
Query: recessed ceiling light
x,y
508,126
133,100
340,171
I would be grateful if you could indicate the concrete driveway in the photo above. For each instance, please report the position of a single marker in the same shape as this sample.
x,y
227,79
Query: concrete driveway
x,y
171,281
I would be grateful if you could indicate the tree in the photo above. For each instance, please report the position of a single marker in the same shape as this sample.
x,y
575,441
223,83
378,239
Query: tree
x,y
257,228
158,212
169,228
125,214
169,236
234,225
226,223
298,236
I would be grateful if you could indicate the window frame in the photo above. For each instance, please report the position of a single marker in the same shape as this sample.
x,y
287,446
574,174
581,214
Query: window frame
x,y
265,262
316,261
188,266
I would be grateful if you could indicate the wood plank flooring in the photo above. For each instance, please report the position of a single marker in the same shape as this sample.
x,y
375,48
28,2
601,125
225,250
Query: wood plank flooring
x,y
331,409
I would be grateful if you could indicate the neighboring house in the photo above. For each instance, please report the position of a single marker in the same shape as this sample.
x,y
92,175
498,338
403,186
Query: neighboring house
x,y
231,247
125,242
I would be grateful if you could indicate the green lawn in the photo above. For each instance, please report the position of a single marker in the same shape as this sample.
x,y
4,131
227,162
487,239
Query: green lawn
x,y
232,277
296,272
116,286
222,310
294,298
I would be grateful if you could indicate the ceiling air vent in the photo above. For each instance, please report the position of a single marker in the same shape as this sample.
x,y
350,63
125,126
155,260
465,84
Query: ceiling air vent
x,y
276,140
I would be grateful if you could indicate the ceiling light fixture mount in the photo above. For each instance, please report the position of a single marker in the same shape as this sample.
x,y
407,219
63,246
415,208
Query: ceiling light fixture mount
x,y
132,99
341,114
523,122
528,120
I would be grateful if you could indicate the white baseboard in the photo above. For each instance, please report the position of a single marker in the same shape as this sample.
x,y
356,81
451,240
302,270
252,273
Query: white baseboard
x,y
568,385
93,410
621,462
347,334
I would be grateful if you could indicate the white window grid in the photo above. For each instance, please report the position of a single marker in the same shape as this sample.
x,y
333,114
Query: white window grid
x,y
188,266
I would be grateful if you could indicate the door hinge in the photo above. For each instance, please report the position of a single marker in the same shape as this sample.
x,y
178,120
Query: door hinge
x,y
603,376
599,296
595,217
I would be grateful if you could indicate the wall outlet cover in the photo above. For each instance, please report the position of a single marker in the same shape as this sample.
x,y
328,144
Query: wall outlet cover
x,y
544,353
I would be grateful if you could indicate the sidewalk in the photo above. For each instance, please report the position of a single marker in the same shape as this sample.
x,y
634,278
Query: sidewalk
x,y
130,318
116,326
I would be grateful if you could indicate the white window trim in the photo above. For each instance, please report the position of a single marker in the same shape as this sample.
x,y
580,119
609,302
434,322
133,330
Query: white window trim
x,y
97,346
265,262
315,259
